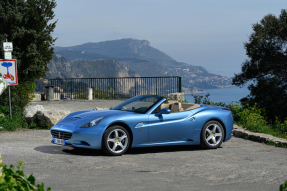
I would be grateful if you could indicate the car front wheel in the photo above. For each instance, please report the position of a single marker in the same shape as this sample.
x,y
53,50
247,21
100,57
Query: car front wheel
x,y
116,141
212,135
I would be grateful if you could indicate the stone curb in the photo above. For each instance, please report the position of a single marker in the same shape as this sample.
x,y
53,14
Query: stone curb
x,y
259,137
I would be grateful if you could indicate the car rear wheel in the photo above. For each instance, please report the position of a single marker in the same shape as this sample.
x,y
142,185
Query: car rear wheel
x,y
116,141
212,135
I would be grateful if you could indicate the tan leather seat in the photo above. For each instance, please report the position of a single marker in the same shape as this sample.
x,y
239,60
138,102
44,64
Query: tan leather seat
x,y
162,106
176,107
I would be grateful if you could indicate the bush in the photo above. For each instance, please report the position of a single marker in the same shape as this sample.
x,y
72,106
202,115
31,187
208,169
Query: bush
x,y
100,94
283,187
17,121
199,99
279,126
252,118
16,180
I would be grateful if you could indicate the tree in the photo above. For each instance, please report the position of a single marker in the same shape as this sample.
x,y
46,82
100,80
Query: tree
x,y
28,24
266,67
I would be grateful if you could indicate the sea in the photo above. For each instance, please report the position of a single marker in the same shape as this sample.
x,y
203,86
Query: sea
x,y
225,95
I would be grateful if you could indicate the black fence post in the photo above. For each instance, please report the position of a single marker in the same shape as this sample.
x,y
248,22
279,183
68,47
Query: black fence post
x,y
156,86
135,86
179,84
114,88
71,89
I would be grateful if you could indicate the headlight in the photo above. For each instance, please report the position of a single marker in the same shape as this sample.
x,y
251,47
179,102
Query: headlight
x,y
92,123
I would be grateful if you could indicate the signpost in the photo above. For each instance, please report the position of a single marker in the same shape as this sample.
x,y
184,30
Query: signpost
x,y
8,55
7,46
8,68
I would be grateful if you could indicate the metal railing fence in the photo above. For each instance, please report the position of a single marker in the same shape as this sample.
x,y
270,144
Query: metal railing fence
x,y
115,88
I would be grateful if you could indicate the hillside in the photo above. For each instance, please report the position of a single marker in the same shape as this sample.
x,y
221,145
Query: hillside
x,y
124,48
145,60
63,68
143,67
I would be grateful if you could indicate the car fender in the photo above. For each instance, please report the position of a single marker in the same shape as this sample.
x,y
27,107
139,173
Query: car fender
x,y
204,116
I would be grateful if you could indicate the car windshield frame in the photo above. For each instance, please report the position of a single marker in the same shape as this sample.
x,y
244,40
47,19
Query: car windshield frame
x,y
143,99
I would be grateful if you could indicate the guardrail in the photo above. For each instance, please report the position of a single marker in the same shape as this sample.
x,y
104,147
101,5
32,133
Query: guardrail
x,y
115,88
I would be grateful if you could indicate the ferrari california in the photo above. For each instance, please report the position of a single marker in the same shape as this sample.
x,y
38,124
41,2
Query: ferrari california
x,y
145,121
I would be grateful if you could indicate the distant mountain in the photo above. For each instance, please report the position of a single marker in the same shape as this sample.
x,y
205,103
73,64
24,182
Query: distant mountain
x,y
63,68
124,48
145,60
143,67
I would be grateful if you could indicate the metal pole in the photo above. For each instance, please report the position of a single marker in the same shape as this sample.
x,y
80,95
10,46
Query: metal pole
x,y
135,86
179,85
10,103
114,88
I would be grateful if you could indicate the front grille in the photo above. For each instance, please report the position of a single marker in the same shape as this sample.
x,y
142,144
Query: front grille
x,y
61,134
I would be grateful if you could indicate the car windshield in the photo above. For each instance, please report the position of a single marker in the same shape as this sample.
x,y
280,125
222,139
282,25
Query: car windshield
x,y
139,104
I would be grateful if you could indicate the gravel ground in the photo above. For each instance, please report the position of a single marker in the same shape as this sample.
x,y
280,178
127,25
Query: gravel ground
x,y
238,165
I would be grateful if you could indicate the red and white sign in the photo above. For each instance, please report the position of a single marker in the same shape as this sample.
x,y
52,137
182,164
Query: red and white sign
x,y
8,69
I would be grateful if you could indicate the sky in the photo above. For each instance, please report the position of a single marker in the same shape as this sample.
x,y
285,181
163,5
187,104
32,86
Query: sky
x,y
207,33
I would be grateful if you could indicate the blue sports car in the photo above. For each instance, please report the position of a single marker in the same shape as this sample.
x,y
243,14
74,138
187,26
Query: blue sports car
x,y
145,121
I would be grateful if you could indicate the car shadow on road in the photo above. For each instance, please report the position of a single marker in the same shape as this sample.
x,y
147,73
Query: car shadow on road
x,y
163,149
65,150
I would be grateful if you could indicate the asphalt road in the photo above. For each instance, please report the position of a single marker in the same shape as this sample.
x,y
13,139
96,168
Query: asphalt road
x,y
238,165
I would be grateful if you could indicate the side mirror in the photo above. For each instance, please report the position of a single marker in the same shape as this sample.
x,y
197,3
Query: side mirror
x,y
163,111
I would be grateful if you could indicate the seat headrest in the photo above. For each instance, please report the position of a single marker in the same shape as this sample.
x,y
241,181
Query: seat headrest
x,y
162,106
176,107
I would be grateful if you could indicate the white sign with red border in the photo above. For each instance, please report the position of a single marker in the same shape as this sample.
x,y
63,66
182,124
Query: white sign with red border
x,y
8,69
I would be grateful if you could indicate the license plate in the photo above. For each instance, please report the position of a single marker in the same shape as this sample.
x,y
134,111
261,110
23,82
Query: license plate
x,y
59,141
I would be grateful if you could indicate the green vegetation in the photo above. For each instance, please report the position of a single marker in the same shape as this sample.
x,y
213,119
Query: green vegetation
x,y
283,187
11,180
201,100
254,119
18,121
99,94
27,24
8,124
266,67
251,117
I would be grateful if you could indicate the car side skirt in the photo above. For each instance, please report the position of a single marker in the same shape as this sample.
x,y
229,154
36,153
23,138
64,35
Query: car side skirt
x,y
169,143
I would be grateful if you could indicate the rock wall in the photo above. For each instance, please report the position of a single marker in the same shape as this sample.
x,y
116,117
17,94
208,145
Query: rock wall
x,y
43,117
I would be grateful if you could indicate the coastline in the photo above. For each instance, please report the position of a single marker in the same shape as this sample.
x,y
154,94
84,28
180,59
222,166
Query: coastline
x,y
201,91
225,95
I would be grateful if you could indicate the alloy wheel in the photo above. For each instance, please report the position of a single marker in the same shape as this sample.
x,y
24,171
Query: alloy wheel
x,y
213,134
117,141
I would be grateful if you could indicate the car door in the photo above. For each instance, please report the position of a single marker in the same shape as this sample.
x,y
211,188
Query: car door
x,y
168,127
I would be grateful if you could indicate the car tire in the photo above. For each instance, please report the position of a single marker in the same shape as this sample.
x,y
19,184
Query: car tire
x,y
212,135
116,141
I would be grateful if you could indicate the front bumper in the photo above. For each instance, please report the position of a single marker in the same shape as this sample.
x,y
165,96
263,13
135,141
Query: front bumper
x,y
82,137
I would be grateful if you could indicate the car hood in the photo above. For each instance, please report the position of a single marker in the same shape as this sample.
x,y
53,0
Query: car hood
x,y
82,117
